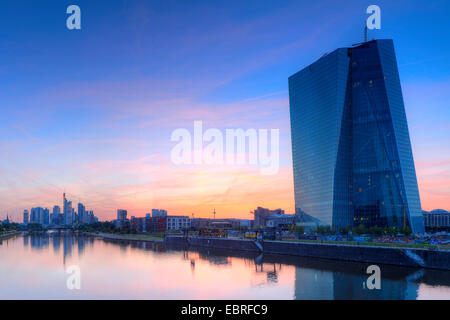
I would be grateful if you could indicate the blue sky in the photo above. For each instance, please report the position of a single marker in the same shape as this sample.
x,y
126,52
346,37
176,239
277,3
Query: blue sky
x,y
91,111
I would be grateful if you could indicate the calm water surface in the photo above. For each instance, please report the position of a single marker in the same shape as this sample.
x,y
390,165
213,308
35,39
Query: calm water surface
x,y
34,267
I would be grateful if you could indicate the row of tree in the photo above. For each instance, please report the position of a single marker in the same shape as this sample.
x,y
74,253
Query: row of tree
x,y
362,229
8,227
104,227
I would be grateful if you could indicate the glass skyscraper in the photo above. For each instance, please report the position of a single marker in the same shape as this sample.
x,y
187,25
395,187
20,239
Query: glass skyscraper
x,y
351,151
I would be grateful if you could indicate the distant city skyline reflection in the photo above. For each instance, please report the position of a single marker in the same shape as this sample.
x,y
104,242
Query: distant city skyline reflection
x,y
33,267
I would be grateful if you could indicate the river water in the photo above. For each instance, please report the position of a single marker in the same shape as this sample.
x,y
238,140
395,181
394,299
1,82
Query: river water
x,y
37,266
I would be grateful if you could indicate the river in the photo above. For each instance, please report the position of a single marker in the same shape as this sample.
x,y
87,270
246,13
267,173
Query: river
x,y
37,266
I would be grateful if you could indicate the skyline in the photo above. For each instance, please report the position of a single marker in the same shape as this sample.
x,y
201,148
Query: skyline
x,y
97,113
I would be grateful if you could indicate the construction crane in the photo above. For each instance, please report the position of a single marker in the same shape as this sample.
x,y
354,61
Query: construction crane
x,y
294,223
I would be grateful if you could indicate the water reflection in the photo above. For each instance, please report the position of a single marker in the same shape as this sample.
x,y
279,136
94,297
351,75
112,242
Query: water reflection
x,y
33,267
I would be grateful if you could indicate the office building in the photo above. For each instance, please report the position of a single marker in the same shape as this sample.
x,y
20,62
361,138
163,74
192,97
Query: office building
x,y
437,220
178,222
351,150
68,211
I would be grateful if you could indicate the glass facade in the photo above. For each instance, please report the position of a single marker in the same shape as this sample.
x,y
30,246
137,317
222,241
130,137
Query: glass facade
x,y
352,156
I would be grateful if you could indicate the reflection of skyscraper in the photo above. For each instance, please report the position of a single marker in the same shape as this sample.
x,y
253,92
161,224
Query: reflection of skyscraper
x,y
312,284
353,287
339,280
56,242
39,241
67,246
352,155
81,245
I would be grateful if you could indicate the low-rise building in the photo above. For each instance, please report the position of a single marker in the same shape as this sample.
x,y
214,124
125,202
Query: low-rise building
x,y
437,220
261,215
155,224
178,222
137,224
280,221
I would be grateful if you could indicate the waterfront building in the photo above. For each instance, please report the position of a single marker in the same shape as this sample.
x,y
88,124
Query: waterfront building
x,y
200,223
137,224
437,220
155,224
122,222
280,221
351,150
159,223
178,222
261,215
240,223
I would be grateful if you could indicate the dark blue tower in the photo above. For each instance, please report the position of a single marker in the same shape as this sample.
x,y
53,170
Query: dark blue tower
x,y
352,155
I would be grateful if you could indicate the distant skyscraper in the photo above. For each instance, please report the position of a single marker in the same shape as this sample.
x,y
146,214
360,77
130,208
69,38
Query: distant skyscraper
x,y
46,216
55,215
25,216
37,215
82,213
351,150
121,214
68,211
33,214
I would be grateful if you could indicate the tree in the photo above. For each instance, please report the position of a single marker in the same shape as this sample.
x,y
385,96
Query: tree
x,y
324,230
34,227
299,230
406,231
361,229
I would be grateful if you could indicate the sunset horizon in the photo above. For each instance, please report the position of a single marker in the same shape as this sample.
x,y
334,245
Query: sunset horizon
x,y
98,114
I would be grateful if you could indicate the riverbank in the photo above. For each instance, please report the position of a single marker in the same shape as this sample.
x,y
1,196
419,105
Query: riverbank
x,y
400,256
8,235
128,237
405,256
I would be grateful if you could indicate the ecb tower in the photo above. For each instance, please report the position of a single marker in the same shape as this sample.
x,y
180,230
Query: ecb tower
x,y
351,150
